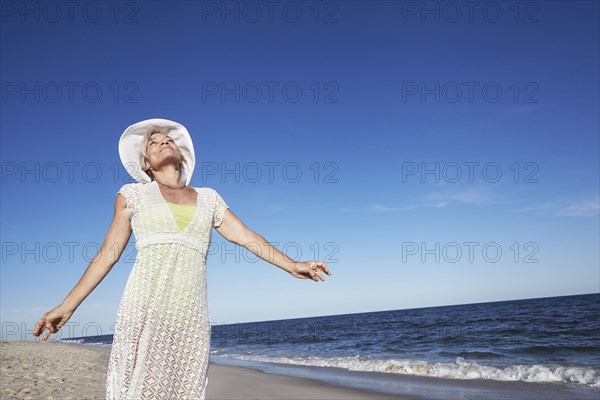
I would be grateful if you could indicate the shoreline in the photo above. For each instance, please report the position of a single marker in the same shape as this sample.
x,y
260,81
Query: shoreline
x,y
56,370
404,386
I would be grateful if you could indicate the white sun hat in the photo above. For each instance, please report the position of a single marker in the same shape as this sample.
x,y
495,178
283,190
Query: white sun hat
x,y
130,147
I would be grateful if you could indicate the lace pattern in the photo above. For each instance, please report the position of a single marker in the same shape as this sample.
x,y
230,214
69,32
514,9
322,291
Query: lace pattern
x,y
161,341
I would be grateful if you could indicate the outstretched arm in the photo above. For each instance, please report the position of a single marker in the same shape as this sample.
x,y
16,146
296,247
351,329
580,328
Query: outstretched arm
x,y
114,243
235,231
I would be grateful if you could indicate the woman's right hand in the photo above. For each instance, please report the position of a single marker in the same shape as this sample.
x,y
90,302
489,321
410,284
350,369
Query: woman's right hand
x,y
52,321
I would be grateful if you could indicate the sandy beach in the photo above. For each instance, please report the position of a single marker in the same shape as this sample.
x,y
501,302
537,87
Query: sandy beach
x,y
52,370
39,370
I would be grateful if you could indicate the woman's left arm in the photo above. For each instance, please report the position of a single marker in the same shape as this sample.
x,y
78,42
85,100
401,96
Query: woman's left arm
x,y
235,231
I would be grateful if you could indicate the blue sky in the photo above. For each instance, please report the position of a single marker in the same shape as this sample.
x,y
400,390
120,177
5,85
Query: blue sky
x,y
360,99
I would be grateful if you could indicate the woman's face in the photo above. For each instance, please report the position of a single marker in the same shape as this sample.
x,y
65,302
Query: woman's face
x,y
161,149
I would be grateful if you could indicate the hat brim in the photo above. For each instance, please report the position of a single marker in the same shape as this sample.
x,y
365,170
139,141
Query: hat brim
x,y
130,147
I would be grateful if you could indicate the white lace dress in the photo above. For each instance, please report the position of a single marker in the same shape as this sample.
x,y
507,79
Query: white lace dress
x,y
161,342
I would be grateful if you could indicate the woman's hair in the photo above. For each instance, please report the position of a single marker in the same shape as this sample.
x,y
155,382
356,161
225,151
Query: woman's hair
x,y
145,146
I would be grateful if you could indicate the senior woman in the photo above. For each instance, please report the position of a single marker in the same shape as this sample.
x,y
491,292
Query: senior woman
x,y
161,340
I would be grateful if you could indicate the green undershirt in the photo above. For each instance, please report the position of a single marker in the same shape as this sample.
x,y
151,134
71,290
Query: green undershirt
x,y
183,214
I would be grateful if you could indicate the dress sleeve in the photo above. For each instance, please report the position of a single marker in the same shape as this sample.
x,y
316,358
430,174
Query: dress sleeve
x,y
127,192
220,207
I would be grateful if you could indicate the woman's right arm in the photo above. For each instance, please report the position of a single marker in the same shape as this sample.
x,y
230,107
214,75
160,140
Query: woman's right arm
x,y
114,243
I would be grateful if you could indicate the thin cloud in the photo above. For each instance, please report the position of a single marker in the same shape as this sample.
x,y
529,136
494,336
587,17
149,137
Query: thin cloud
x,y
381,207
583,208
587,208
538,207
483,197
441,199
476,196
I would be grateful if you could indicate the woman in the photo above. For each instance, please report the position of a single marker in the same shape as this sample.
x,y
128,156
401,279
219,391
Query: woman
x,y
162,333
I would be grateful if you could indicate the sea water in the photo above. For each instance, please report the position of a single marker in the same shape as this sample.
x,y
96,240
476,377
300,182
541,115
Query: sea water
x,y
546,340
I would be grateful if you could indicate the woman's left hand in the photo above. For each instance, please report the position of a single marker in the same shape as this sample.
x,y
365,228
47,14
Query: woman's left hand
x,y
310,270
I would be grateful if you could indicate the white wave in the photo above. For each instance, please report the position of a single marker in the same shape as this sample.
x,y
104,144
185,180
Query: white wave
x,y
82,342
460,369
76,341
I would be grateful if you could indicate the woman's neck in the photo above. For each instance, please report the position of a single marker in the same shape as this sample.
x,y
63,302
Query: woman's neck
x,y
169,176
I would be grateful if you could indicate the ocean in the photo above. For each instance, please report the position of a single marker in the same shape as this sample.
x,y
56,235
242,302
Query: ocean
x,y
540,341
